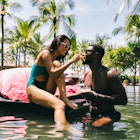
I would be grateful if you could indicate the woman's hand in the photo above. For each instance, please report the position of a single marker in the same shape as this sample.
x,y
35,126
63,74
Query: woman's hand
x,y
72,105
75,58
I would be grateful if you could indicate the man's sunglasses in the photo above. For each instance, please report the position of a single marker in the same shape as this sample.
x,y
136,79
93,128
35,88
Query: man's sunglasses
x,y
90,51
66,46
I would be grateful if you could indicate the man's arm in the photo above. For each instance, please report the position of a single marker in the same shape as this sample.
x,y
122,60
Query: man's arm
x,y
118,94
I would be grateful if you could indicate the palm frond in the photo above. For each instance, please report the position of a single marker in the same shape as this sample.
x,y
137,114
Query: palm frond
x,y
123,5
136,9
118,30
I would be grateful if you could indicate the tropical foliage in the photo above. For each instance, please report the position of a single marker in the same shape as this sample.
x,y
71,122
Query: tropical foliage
x,y
53,13
131,28
135,9
5,5
25,41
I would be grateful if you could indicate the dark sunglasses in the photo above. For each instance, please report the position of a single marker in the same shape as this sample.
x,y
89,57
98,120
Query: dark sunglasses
x,y
89,51
66,46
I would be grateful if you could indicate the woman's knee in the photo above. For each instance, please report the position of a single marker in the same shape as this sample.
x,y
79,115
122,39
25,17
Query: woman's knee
x,y
56,64
60,105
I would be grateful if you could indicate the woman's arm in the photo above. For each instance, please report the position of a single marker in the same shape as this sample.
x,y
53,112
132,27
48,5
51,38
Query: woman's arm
x,y
47,60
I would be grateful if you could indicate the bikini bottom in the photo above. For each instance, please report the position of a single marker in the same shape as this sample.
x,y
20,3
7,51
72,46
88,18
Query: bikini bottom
x,y
41,85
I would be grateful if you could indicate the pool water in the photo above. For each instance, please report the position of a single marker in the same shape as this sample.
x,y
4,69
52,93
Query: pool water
x,y
22,125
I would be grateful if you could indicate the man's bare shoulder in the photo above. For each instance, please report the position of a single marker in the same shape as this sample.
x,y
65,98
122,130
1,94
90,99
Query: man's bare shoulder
x,y
89,72
112,73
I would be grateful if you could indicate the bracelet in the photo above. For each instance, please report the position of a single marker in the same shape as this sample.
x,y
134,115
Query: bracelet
x,y
96,96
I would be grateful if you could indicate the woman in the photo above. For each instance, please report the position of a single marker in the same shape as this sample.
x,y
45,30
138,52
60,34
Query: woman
x,y
47,75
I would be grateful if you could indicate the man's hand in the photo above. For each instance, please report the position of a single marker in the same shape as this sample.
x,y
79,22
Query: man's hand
x,y
90,95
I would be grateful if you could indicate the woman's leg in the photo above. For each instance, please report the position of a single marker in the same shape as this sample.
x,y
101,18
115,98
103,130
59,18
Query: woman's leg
x,y
43,98
62,89
60,83
51,84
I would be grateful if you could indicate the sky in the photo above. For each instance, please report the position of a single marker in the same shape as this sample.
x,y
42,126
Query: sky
x,y
93,17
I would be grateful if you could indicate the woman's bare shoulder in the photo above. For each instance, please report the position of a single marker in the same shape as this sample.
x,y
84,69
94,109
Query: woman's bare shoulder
x,y
45,53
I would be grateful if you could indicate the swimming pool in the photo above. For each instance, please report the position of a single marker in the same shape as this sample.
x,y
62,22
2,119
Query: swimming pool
x,y
22,125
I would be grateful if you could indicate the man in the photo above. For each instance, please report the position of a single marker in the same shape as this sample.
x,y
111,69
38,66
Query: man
x,y
107,89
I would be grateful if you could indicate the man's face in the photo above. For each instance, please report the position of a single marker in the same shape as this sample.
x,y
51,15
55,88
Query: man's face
x,y
88,55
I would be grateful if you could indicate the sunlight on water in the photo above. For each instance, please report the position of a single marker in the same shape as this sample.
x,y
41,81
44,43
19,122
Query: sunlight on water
x,y
22,125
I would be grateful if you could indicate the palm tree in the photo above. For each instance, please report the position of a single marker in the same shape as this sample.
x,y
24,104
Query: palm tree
x,y
55,13
135,49
81,47
26,30
13,39
36,45
102,40
134,10
132,28
4,6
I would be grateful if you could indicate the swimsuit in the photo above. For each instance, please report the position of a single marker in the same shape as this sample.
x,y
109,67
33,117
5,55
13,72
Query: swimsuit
x,y
37,71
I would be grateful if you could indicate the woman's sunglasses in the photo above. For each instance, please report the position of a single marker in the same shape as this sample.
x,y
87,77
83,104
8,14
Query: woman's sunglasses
x,y
66,46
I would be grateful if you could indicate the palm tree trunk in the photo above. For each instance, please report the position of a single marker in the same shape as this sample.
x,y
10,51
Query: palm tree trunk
x,y
139,75
25,57
2,41
139,64
54,24
19,53
135,71
16,61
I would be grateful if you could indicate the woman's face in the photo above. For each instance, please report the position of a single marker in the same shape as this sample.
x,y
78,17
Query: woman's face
x,y
64,47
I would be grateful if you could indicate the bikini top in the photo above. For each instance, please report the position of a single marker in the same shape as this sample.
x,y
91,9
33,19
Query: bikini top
x,y
36,71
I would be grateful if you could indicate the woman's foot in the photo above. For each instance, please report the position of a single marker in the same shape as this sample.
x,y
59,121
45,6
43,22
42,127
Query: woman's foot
x,y
70,129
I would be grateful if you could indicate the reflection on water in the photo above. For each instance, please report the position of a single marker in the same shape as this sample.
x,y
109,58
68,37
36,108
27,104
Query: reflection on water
x,y
11,127
24,125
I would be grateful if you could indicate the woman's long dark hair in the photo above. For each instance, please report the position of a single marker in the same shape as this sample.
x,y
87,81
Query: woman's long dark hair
x,y
55,43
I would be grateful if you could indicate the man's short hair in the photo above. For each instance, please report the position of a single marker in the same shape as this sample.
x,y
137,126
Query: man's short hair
x,y
99,49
